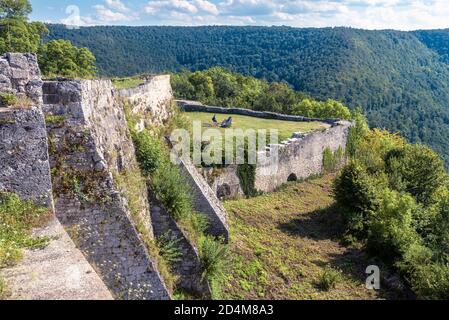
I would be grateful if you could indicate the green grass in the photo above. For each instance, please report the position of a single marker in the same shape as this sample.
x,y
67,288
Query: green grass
x,y
286,128
127,83
285,245
17,219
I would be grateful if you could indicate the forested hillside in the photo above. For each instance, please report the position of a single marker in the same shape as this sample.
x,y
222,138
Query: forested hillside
x,y
400,79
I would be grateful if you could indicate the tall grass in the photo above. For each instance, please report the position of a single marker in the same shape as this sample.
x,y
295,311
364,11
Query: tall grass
x,y
17,219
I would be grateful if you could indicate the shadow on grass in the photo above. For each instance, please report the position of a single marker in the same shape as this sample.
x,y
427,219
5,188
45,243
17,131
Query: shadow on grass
x,y
318,225
327,224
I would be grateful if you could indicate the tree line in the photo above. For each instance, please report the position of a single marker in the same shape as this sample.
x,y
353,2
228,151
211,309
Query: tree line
x,y
56,57
221,87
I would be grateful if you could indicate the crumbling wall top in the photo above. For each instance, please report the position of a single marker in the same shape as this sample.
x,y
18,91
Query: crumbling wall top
x,y
21,76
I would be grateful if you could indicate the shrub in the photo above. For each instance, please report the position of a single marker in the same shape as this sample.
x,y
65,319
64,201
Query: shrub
x,y
169,247
427,278
214,259
172,189
329,279
391,230
149,151
356,192
332,160
416,169
7,99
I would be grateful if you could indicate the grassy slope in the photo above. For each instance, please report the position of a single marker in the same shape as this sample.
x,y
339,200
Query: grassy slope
x,y
282,242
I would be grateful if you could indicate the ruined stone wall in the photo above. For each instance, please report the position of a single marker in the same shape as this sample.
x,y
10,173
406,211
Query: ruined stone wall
x,y
188,269
20,75
89,143
194,106
24,162
301,157
151,101
224,182
205,200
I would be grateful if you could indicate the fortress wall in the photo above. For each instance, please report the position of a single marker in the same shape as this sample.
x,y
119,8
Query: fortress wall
x,y
301,157
193,106
188,269
24,161
20,75
89,142
151,101
206,201
224,182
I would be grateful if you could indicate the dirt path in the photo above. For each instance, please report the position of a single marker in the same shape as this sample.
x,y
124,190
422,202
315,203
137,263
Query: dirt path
x,y
58,272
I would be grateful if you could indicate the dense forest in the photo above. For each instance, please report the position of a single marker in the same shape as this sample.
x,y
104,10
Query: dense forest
x,y
220,87
400,79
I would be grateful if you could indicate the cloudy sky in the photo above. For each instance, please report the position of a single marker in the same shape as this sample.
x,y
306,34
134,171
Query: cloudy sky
x,y
368,14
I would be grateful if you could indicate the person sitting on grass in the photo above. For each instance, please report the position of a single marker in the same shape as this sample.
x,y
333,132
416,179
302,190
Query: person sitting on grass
x,y
226,123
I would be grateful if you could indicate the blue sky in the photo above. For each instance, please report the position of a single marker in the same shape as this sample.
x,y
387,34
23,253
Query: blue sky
x,y
368,14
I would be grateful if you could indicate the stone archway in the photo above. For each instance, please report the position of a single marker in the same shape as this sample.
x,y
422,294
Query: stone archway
x,y
292,178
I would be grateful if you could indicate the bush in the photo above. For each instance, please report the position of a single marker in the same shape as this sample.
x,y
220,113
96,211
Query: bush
x,y
329,279
417,170
149,151
356,192
172,189
7,99
214,259
391,230
169,247
427,278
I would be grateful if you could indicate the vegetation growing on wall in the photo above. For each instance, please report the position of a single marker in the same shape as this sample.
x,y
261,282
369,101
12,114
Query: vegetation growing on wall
x,y
332,159
395,198
247,177
170,187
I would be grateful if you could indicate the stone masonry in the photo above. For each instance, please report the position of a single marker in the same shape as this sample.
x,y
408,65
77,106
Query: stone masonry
x,y
301,156
89,142
151,101
20,75
24,163
188,268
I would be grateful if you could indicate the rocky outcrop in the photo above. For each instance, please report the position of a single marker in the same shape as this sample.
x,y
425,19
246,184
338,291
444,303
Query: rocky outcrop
x,y
20,75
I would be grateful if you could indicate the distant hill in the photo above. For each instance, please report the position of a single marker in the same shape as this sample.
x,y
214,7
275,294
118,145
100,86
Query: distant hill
x,y
401,79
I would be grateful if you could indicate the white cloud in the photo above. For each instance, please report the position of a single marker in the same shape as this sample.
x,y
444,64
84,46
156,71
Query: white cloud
x,y
107,15
117,5
368,14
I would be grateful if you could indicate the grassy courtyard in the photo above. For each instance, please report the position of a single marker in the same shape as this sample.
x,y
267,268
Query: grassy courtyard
x,y
285,128
285,245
